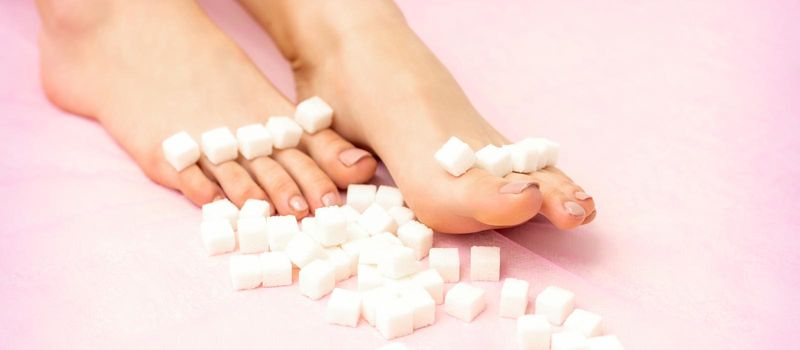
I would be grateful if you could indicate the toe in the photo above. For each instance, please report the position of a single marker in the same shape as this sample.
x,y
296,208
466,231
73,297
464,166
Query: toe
x,y
564,203
344,163
280,187
317,187
237,183
196,186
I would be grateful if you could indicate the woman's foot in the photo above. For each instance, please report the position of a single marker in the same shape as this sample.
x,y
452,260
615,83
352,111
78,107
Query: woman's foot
x,y
392,94
146,70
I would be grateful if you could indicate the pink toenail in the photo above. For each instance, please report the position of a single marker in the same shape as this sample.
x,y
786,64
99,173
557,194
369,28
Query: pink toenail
x,y
582,196
298,203
351,156
574,209
517,187
330,199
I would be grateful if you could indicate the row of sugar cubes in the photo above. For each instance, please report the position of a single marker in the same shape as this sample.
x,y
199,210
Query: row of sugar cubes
x,y
255,140
525,156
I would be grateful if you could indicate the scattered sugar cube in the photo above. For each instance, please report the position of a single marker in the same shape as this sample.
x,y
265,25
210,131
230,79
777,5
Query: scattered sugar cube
x,y
464,302
432,282
302,250
514,298
354,247
350,213
606,342
313,114
254,141
218,236
219,145
276,269
316,279
369,277
394,346
360,197
374,249
447,262
255,208
416,236
533,332
375,220
285,132
555,303
221,209
252,234
388,197
394,318
588,323
455,156
343,264
484,264
399,284
245,271
370,300
422,305
495,160
355,232
331,227
568,340
344,308
281,230
526,158
401,215
180,150
398,262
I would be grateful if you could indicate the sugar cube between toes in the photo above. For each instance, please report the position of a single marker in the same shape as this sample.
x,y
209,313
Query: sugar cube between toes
x,y
375,220
245,271
533,332
484,264
316,279
344,307
606,342
281,230
389,197
252,234
285,132
514,298
568,340
585,322
394,318
493,159
525,158
555,303
255,208
180,150
447,262
303,250
218,236
254,141
276,269
455,156
221,209
219,145
416,236
360,197
464,302
313,114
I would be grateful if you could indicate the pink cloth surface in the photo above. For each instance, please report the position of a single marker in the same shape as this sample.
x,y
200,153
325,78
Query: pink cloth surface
x,y
680,117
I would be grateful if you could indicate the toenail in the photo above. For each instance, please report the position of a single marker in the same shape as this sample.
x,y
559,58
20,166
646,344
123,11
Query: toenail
x,y
574,209
330,199
517,187
581,196
351,156
298,203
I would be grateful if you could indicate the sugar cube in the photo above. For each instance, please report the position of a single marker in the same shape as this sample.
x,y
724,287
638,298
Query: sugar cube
x,y
401,215
422,305
343,263
375,220
254,141
355,232
218,236
547,150
354,247
416,236
464,302
455,156
276,269
252,234
331,228
344,308
245,271
399,284
219,145
376,247
313,114
555,303
350,213
447,262
525,157
398,262
533,332
180,150
370,300
285,132
368,277
493,159
316,279
432,282
514,298
568,340
360,197
302,250
255,208
281,230
221,209
388,197
606,342
484,264
585,322
394,318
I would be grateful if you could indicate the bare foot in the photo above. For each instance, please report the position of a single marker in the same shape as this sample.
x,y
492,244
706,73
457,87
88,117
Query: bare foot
x,y
392,94
146,70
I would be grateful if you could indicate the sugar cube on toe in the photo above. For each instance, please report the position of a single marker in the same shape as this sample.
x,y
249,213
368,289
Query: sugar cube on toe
x,y
555,303
180,150
493,159
484,264
464,302
219,145
254,141
285,132
455,156
313,114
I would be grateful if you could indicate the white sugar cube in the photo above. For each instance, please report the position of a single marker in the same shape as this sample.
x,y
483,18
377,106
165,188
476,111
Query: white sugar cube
x,y
447,262
316,279
355,232
218,236
313,114
302,250
375,220
394,318
388,197
281,230
354,247
285,132
493,159
526,158
399,284
350,213
552,151
455,156
546,150
464,302
344,265
514,298
276,269
219,145
331,226
344,308
252,234
416,236
422,305
254,141
368,277
180,150
401,215
370,300
394,346
585,322
245,271
606,342
555,303
484,264
398,262
568,340
221,209
255,208
533,332
432,282
360,197
376,247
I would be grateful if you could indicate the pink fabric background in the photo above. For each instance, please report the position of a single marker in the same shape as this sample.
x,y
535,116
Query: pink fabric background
x,y
680,117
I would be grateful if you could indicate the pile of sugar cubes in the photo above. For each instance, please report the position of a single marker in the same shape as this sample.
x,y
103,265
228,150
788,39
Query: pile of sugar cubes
x,y
376,238
525,156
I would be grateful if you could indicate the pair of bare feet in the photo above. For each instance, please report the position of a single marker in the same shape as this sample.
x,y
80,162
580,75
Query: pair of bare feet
x,y
146,69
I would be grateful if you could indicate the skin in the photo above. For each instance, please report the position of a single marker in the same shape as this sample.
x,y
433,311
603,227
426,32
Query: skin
x,y
165,67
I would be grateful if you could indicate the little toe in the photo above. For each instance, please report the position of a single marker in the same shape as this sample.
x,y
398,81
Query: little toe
x,y
344,163
279,185
317,187
564,203
196,186
235,181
